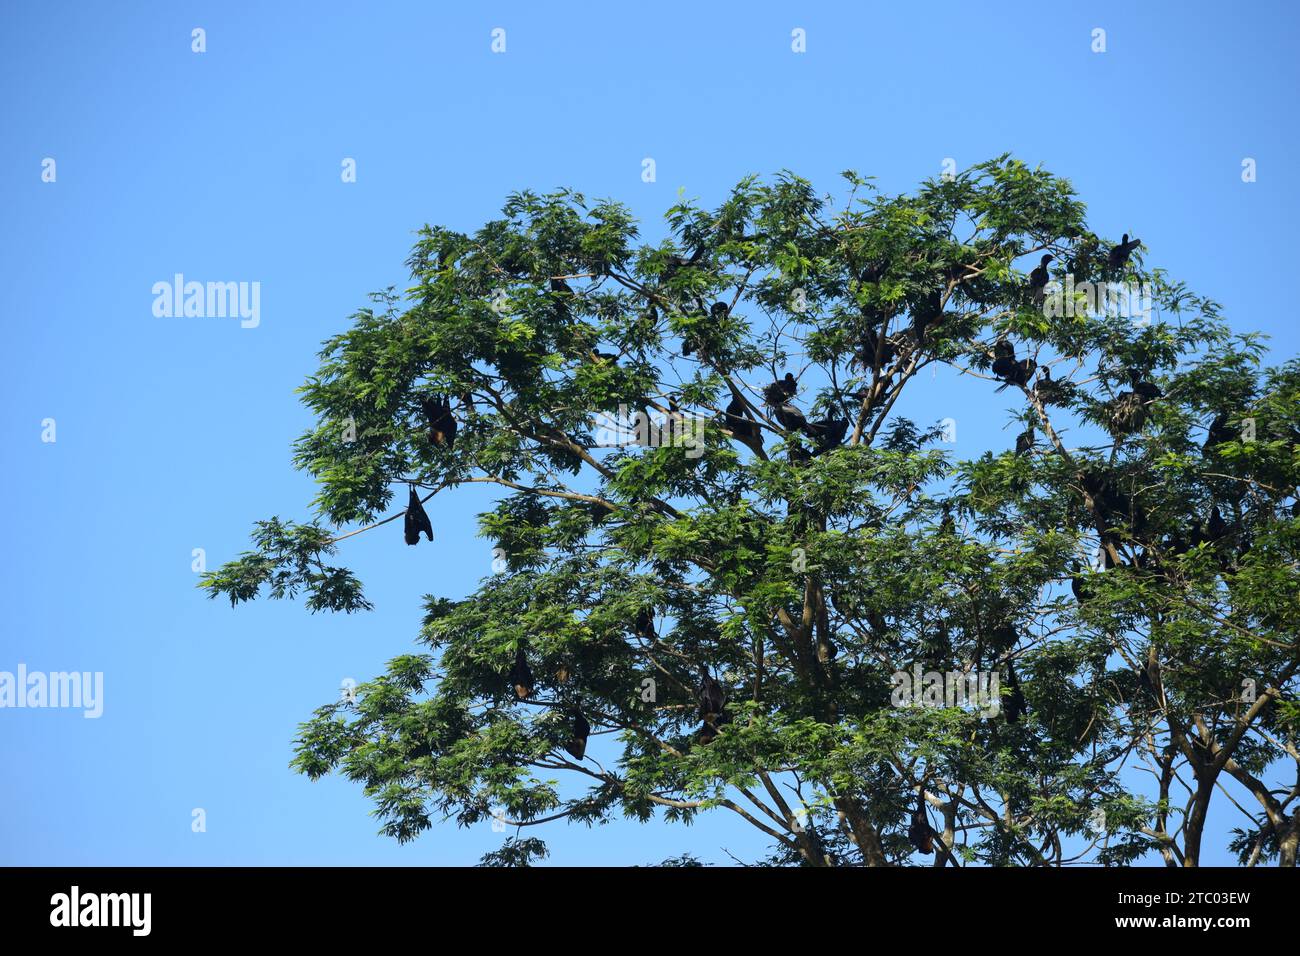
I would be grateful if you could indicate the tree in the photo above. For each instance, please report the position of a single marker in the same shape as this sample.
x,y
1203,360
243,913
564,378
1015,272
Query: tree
x,y
735,606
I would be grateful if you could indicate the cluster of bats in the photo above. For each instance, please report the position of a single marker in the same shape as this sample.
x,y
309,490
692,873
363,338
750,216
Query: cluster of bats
x,y
521,681
442,434
1127,414
1128,409
1019,372
826,433
710,696
1116,259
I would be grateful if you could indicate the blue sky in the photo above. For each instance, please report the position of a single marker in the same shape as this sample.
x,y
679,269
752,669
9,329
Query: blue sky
x,y
174,433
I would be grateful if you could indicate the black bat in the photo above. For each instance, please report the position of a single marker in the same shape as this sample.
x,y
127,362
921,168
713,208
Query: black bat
x,y
1038,278
919,832
1077,585
521,676
868,354
417,519
1049,391
1119,254
442,424
738,422
577,745
711,698
924,313
1007,368
644,625
828,433
1015,705
790,418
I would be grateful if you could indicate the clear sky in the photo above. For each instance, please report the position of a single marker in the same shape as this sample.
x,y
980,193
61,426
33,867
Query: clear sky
x,y
174,433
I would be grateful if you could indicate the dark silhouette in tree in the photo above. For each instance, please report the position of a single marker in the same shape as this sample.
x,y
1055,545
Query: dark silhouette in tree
x,y
580,731
442,424
1119,254
416,519
521,676
1038,279
813,580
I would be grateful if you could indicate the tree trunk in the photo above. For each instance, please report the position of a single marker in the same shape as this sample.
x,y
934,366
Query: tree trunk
x,y
864,834
1196,821
1289,842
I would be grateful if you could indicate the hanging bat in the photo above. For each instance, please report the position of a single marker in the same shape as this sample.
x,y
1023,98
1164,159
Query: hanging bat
x,y
919,832
577,746
712,699
521,677
417,519
1015,702
644,625
442,424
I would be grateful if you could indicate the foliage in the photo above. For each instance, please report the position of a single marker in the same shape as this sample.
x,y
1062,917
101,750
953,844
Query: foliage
x,y
804,578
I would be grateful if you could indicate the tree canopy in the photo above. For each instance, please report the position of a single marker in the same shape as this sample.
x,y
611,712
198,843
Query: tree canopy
x,y
726,611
